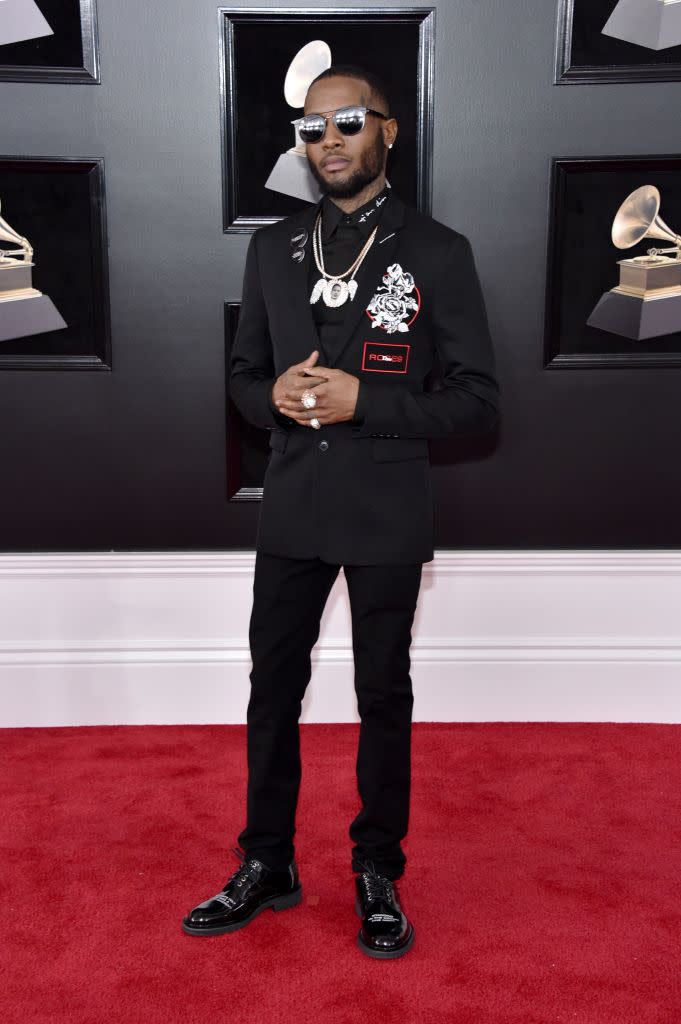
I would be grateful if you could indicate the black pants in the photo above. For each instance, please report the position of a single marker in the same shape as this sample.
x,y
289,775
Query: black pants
x,y
288,600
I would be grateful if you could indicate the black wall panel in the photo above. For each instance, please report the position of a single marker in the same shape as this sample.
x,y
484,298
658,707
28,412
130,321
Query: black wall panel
x,y
134,458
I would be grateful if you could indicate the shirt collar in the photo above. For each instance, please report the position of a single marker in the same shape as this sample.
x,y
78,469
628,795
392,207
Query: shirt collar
x,y
364,218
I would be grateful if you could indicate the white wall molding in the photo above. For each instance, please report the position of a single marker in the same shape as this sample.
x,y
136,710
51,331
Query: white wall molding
x,y
602,563
338,652
619,563
135,638
114,564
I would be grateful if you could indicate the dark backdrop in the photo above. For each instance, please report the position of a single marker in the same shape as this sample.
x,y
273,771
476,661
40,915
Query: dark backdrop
x,y
135,458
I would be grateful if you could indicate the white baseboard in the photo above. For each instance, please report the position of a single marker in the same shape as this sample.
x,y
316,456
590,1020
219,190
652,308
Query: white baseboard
x,y
499,636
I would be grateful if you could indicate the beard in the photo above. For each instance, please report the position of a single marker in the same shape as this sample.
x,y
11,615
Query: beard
x,y
370,166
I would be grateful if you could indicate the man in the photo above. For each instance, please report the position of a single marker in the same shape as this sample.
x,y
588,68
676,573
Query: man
x,y
346,308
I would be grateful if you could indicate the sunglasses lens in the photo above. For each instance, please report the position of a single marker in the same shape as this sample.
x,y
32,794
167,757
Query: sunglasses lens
x,y
349,120
312,128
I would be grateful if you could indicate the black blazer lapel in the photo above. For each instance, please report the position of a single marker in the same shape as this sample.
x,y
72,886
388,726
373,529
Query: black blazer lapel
x,y
295,282
370,274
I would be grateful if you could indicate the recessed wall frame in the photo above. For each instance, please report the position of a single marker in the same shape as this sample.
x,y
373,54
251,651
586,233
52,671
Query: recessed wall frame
x,y
248,447
257,46
582,264
585,53
67,52
57,205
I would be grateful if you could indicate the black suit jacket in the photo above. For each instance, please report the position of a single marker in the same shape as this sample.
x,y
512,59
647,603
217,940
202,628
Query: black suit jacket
x,y
359,492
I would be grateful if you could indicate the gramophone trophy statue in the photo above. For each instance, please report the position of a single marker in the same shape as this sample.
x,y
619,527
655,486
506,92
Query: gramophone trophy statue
x,y
20,20
647,301
23,309
652,23
291,174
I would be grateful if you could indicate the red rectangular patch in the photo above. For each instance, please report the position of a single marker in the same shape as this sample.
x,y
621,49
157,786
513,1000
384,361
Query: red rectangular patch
x,y
380,357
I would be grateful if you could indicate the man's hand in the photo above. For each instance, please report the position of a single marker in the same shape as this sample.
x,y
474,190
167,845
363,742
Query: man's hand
x,y
288,388
336,395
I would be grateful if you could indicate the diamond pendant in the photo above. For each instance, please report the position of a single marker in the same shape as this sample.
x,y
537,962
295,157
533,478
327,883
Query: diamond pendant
x,y
335,293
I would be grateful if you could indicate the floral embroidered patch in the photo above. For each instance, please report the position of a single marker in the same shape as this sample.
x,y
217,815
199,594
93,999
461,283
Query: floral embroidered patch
x,y
394,302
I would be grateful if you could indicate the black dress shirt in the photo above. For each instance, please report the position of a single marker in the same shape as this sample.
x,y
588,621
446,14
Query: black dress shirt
x,y
343,235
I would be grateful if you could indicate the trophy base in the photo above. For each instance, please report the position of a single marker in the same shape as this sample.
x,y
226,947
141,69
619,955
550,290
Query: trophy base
x,y
649,277
20,20
651,23
292,177
22,317
15,278
637,318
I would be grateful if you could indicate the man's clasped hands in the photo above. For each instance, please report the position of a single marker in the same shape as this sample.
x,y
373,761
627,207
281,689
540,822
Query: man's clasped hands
x,y
335,392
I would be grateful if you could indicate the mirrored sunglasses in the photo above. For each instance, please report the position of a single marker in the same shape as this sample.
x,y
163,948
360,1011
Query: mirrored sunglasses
x,y
348,121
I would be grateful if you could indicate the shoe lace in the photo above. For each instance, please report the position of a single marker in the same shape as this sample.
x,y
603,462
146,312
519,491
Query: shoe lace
x,y
376,887
244,875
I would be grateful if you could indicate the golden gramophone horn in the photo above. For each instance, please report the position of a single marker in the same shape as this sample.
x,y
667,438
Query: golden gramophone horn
x,y
638,218
310,61
8,234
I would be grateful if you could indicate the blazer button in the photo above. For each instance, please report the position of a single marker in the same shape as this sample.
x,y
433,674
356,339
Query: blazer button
x,y
323,446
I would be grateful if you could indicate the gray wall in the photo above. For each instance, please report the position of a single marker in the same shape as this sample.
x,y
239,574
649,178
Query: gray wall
x,y
135,458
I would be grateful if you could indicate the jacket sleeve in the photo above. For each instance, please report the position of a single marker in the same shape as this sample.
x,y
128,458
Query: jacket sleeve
x,y
466,403
251,365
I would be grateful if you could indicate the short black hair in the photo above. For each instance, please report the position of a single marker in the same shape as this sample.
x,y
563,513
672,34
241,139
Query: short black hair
x,y
375,83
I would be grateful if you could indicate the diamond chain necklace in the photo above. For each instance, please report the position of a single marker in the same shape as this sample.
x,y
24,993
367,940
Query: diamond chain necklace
x,y
332,287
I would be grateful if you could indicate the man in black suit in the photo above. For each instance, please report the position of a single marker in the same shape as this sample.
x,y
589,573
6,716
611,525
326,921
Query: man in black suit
x,y
346,309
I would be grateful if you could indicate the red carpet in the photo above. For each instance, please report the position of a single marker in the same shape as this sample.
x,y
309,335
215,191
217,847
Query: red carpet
x,y
543,880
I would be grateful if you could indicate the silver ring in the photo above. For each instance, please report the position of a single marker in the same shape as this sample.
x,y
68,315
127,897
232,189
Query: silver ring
x,y
308,400
314,422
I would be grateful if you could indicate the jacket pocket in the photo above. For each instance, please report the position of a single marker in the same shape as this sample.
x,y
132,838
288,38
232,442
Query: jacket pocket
x,y
398,449
278,440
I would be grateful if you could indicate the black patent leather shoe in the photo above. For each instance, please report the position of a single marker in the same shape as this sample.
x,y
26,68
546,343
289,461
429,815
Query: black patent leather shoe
x,y
250,889
385,933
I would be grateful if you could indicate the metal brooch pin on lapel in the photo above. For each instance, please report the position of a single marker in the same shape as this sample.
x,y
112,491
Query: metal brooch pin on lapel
x,y
299,239
297,244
